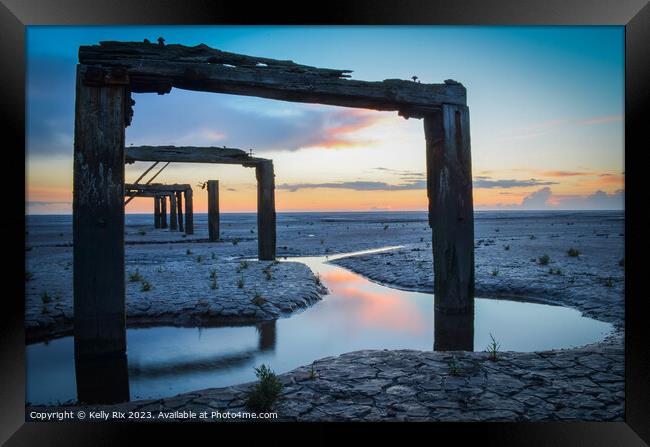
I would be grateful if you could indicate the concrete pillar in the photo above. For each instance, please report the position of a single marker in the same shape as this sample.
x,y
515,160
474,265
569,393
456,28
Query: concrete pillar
x,y
98,217
451,209
213,210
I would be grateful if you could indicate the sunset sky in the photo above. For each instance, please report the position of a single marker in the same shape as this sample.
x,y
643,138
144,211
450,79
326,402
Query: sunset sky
x,y
546,112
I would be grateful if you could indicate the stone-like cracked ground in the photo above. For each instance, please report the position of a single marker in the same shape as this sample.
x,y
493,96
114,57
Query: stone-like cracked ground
x,y
408,385
189,286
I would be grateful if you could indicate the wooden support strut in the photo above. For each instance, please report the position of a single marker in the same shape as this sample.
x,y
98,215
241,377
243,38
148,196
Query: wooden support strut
x,y
156,211
173,222
213,210
451,210
189,211
265,211
163,211
98,217
179,209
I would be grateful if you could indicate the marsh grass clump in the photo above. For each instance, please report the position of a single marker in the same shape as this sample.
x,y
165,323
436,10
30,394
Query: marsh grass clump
x,y
532,237
386,227
507,247
46,297
258,299
240,283
199,259
263,395
572,252
454,369
142,232
235,241
609,282
135,276
317,279
544,260
146,286
312,373
495,272
493,349
188,252
267,272
553,271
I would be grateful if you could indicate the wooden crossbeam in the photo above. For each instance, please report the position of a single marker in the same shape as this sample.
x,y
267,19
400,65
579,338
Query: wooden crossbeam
x,y
157,187
191,154
157,68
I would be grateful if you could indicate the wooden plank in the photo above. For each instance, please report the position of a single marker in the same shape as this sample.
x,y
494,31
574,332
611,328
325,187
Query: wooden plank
x,y
179,210
189,211
158,68
213,210
265,211
173,222
98,219
190,154
453,332
451,210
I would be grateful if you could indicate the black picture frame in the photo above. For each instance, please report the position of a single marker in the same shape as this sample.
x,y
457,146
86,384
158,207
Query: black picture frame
x,y
633,14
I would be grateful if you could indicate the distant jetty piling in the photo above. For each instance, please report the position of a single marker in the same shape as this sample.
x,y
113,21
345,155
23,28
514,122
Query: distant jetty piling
x,y
213,210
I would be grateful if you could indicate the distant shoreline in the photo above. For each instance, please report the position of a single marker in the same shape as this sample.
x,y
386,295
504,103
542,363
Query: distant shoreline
x,y
367,212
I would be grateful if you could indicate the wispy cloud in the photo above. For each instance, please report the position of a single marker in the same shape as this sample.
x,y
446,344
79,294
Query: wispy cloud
x,y
358,185
540,129
486,182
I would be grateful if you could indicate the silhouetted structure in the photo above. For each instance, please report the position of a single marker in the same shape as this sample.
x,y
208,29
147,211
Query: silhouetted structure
x,y
110,71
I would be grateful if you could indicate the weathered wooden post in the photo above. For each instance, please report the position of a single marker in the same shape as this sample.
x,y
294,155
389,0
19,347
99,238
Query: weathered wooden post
x,y
451,209
179,208
213,210
156,211
173,223
189,212
265,210
98,211
163,211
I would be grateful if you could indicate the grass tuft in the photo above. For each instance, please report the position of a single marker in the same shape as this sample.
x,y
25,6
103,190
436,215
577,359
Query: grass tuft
x,y
544,260
454,369
263,395
135,276
573,252
493,349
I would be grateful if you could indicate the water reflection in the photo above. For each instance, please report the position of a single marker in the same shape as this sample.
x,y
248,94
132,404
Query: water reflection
x,y
453,332
102,379
356,314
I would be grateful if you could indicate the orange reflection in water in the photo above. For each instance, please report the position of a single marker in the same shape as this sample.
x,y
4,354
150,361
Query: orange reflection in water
x,y
340,276
382,310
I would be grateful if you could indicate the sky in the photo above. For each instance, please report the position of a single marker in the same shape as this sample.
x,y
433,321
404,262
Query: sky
x,y
546,117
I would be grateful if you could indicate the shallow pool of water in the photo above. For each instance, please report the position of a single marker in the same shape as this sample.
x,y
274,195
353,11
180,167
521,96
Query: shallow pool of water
x,y
356,314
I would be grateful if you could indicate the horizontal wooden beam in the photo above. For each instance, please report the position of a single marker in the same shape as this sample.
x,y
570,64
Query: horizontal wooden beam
x,y
159,68
190,154
149,194
157,187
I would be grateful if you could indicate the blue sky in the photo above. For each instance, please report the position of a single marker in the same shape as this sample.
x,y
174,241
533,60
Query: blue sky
x,y
546,107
